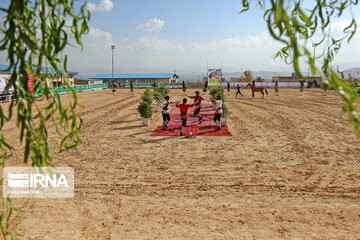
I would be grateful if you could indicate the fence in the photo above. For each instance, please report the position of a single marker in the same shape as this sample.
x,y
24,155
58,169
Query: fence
x,y
150,85
81,88
7,97
266,84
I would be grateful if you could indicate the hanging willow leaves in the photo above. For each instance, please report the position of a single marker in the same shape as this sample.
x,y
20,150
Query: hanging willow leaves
x,y
39,29
295,26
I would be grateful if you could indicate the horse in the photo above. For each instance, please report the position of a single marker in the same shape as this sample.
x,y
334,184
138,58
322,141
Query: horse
x,y
257,89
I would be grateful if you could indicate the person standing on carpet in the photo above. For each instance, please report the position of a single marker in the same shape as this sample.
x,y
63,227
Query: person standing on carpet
x,y
238,90
183,114
218,111
197,101
165,112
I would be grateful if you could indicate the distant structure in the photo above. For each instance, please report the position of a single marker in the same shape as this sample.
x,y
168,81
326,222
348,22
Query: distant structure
x,y
296,79
87,81
121,79
52,78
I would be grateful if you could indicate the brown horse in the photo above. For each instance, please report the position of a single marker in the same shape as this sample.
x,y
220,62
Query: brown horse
x,y
257,89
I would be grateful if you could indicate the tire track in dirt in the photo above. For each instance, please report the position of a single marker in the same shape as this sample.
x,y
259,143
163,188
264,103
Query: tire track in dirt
x,y
276,117
107,193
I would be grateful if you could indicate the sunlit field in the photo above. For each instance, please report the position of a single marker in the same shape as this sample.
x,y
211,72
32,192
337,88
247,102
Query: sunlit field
x,y
290,170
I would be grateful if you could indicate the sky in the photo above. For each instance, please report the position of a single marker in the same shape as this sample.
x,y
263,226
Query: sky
x,y
159,36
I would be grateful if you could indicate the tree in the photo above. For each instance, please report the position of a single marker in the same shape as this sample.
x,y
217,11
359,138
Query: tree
x,y
131,86
248,76
259,79
295,26
42,29
205,86
184,87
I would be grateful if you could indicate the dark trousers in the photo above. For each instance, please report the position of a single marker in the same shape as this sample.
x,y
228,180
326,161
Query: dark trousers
x,y
183,122
238,92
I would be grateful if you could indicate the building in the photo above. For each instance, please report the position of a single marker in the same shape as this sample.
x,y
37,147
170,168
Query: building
x,y
121,79
52,78
296,79
87,81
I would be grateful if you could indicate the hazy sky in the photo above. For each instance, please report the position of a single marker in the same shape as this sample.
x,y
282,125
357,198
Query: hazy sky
x,y
159,35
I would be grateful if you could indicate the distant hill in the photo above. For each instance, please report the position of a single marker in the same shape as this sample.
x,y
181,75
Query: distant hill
x,y
267,75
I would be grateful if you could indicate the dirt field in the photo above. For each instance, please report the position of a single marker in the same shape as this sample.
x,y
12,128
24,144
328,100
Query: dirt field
x,y
291,170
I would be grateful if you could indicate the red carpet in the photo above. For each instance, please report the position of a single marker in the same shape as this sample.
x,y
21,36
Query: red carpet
x,y
206,128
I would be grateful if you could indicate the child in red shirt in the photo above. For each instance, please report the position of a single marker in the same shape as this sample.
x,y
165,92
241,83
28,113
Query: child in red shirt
x,y
183,114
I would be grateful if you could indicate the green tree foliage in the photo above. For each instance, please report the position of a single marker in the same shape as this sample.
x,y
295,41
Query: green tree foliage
x,y
184,86
157,96
131,86
205,87
302,85
147,96
219,91
162,90
40,29
276,86
294,26
259,79
145,109
248,77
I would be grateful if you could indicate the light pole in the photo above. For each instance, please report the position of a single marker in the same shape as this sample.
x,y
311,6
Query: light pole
x,y
112,63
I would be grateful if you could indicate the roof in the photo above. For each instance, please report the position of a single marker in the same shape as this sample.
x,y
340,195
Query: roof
x,y
133,76
4,67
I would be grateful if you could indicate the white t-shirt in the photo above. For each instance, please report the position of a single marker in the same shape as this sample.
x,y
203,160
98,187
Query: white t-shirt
x,y
165,107
219,106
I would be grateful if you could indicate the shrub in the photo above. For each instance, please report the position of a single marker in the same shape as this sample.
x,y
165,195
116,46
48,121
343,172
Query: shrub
x,y
158,96
162,90
302,86
228,86
276,86
220,91
145,109
184,86
147,96
131,86
205,87
225,110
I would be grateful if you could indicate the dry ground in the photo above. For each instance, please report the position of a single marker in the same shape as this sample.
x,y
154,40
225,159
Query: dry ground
x,y
291,170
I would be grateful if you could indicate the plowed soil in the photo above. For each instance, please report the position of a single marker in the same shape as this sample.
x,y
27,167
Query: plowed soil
x,y
291,170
